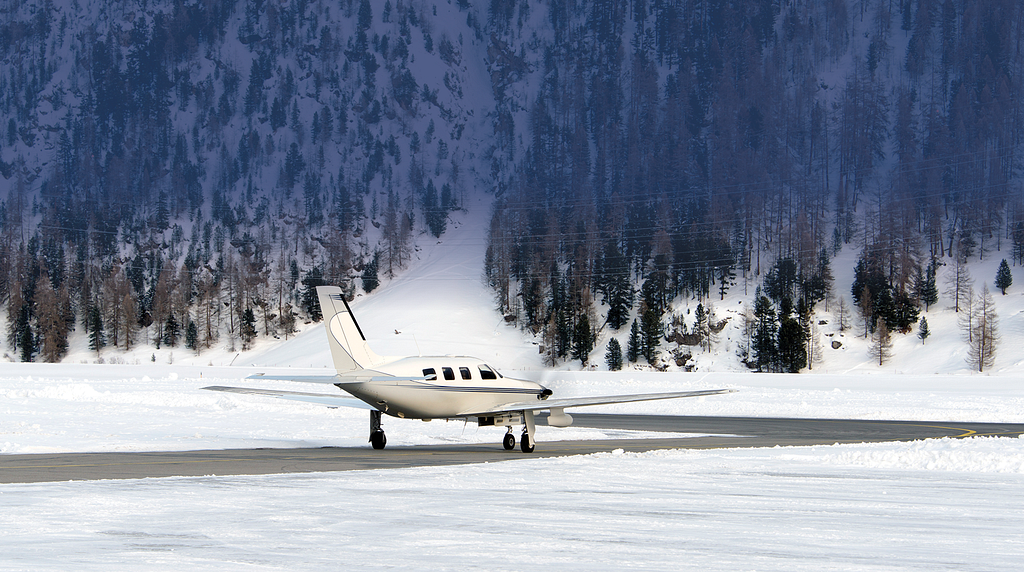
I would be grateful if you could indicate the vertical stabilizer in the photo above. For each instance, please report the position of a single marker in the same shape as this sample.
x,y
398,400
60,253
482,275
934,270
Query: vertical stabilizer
x,y
348,346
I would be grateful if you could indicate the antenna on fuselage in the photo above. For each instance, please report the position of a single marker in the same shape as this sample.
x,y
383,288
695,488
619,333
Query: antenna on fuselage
x,y
415,341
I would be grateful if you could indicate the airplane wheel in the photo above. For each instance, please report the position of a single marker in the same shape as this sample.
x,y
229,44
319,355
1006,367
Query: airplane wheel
x,y
378,439
509,442
525,445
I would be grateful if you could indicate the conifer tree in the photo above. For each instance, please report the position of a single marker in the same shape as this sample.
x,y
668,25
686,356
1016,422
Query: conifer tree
x,y
18,317
634,345
765,349
613,280
310,302
192,336
582,340
702,327
725,274
97,340
792,346
26,340
435,214
172,331
370,274
1003,277
922,330
651,331
27,343
792,351
929,292
531,297
247,328
613,356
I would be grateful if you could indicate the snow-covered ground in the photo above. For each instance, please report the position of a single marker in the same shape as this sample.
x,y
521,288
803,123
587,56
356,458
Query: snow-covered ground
x,y
934,505
941,504
79,408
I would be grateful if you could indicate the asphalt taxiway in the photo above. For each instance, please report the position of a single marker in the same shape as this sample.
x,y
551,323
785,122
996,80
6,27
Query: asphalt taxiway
x,y
718,432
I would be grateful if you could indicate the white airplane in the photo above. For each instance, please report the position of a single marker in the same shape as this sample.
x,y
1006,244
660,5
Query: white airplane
x,y
442,387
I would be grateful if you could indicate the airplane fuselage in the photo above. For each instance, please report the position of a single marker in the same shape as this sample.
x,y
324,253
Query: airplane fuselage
x,y
454,386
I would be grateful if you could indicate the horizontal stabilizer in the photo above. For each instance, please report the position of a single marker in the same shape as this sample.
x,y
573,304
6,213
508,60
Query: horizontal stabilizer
x,y
567,402
359,376
318,398
330,379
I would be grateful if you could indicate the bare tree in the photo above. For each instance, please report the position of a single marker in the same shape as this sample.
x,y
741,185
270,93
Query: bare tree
x,y
866,309
985,337
119,309
53,327
397,235
162,303
208,307
814,348
881,343
843,314
958,284
965,319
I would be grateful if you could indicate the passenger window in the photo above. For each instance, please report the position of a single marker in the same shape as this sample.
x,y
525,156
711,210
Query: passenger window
x,y
430,374
448,373
486,372
466,374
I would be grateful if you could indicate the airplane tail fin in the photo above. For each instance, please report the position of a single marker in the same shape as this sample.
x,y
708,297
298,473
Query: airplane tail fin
x,y
348,346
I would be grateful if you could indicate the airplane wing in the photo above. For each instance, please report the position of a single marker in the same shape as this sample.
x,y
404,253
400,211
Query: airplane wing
x,y
318,398
567,402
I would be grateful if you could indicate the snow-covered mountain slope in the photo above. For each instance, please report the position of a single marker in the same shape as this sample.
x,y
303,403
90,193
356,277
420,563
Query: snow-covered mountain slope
x,y
231,149
441,304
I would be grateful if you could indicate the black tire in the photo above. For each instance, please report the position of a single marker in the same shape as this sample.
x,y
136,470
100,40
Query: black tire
x,y
378,439
509,442
524,444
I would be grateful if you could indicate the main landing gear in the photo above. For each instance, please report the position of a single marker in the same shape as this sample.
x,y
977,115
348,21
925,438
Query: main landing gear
x,y
377,437
526,442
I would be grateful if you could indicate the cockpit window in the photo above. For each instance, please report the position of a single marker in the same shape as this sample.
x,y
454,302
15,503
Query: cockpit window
x,y
486,372
430,374
448,373
466,374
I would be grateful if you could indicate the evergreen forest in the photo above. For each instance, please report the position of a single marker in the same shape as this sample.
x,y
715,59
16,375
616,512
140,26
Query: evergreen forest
x,y
186,172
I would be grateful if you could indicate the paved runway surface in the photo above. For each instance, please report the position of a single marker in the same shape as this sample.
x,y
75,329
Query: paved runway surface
x,y
727,431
